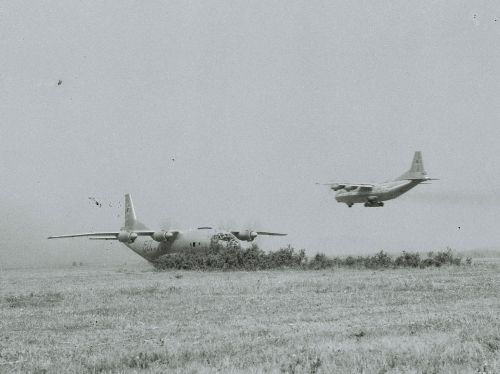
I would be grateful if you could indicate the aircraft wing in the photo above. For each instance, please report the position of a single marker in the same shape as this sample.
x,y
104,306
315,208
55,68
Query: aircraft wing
x,y
107,235
242,233
349,186
270,233
249,235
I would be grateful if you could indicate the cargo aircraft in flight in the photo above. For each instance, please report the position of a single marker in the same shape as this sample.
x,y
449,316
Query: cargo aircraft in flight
x,y
374,194
152,244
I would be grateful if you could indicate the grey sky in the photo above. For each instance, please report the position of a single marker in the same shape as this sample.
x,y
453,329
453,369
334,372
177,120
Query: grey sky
x,y
227,113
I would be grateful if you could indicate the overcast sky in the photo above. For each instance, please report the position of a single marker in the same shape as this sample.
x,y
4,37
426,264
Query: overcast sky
x,y
226,113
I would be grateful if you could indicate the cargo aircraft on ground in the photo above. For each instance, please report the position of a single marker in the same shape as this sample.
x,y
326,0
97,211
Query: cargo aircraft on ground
x,y
374,194
152,244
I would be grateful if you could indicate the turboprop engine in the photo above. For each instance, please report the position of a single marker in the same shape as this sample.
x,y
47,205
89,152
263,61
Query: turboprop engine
x,y
347,187
162,236
336,187
246,235
127,237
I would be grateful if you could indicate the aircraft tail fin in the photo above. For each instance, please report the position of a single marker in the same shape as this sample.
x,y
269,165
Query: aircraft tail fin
x,y
416,171
131,222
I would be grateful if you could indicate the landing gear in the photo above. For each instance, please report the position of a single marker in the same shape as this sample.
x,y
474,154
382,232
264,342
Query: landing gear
x,y
372,204
350,205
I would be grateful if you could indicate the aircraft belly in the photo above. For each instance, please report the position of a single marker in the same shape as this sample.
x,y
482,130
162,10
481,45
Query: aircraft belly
x,y
391,195
149,248
357,198
380,195
394,192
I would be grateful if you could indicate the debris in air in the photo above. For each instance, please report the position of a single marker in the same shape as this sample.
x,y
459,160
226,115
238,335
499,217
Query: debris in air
x,y
95,201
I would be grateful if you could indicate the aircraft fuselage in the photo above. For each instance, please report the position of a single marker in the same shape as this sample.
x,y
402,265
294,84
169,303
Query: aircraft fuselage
x,y
374,194
189,240
380,192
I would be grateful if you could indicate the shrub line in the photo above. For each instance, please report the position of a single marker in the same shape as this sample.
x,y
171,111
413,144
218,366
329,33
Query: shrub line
x,y
218,257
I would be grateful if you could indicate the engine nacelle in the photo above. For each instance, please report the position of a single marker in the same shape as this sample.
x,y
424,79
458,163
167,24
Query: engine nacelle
x,y
162,236
246,235
127,237
350,188
336,187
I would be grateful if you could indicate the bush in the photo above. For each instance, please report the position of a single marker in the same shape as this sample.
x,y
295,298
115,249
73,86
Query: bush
x,y
380,260
253,258
408,260
233,258
287,257
320,261
441,258
429,262
219,257
349,261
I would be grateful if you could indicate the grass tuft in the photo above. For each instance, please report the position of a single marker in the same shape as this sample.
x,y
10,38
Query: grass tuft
x,y
34,300
140,290
143,360
492,343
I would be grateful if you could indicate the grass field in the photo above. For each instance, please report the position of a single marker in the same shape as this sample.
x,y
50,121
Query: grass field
x,y
79,319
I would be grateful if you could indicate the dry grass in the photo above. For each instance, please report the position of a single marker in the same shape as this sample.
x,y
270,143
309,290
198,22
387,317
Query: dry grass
x,y
345,321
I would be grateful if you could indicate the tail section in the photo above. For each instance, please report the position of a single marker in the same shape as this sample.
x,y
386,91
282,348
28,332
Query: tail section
x,y
416,171
131,222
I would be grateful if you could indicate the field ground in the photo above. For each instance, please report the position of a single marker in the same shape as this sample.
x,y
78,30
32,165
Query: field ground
x,y
80,319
